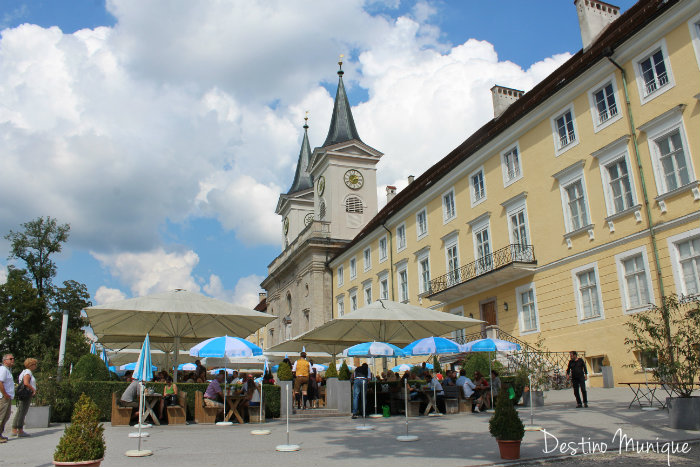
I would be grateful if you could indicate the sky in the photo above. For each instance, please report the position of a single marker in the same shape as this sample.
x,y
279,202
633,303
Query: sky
x,y
164,131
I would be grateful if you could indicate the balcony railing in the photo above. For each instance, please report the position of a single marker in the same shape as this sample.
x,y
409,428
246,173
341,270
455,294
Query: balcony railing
x,y
511,254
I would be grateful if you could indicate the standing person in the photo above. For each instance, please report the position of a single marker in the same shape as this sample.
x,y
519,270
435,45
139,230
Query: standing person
x,y
200,372
26,378
578,373
7,392
313,387
301,382
360,378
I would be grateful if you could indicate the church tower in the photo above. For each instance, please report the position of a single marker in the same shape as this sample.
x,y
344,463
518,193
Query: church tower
x,y
345,173
297,206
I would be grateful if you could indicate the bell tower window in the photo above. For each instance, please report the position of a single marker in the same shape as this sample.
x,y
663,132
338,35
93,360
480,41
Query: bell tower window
x,y
354,204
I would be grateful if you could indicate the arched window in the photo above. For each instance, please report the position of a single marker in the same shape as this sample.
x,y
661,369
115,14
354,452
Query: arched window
x,y
289,302
354,204
322,210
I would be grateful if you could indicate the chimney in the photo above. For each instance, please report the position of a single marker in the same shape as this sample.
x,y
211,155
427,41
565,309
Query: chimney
x,y
593,17
390,193
502,98
262,296
410,179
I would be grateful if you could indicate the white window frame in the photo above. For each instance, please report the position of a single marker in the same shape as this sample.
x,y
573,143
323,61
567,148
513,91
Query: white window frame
x,y
595,115
401,228
354,305
558,148
645,97
423,287
383,252
459,334
566,178
472,187
340,273
624,293
521,312
486,264
367,289
694,25
445,213
384,290
367,258
340,304
577,292
420,234
353,268
657,128
403,269
449,242
507,180
613,153
675,257
516,207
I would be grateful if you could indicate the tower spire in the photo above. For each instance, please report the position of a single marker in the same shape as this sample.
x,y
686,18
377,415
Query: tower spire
x,y
342,124
302,177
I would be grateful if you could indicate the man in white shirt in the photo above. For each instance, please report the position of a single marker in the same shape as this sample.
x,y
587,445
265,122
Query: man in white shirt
x,y
7,392
465,383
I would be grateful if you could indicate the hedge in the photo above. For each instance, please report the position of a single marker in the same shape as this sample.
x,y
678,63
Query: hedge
x,y
63,396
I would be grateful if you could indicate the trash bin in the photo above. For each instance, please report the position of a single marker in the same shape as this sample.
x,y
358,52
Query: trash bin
x,y
386,411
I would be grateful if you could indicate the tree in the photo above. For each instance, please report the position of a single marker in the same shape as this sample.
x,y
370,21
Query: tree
x,y
40,239
23,315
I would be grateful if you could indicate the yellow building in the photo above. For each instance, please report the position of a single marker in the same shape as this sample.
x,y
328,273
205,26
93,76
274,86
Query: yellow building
x,y
575,207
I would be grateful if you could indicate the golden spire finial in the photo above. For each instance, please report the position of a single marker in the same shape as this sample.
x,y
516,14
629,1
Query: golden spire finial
x,y
340,64
306,119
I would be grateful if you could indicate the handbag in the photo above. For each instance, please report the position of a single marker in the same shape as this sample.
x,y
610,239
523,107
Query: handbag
x,y
23,393
171,400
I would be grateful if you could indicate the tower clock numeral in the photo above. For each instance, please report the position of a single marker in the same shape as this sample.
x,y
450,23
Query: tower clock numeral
x,y
353,179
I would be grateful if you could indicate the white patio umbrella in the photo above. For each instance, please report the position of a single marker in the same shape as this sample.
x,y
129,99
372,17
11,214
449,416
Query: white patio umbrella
x,y
142,373
177,318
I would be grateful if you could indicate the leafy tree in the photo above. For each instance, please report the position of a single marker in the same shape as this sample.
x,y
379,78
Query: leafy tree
x,y
84,438
436,365
22,315
40,239
344,373
90,368
332,371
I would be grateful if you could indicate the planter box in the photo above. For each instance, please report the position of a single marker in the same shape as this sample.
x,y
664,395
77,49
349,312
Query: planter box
x,y
538,398
286,401
344,396
38,416
684,412
331,393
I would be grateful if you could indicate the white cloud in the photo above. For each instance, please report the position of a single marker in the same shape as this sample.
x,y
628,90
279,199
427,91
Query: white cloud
x,y
107,295
245,293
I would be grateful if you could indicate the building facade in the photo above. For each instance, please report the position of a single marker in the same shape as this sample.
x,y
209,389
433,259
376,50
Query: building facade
x,y
577,206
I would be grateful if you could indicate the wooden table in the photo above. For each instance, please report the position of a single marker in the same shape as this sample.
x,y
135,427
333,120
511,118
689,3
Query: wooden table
x,y
645,393
432,403
232,403
151,401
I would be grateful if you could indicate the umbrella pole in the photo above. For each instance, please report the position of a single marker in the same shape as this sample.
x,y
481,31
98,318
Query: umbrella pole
x,y
287,447
376,408
406,437
139,452
364,426
490,381
261,431
531,426
224,422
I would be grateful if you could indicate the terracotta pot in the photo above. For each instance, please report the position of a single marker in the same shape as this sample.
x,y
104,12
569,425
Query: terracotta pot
x,y
509,449
93,463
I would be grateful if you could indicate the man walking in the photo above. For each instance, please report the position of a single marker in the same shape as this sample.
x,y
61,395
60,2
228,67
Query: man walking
x,y
301,381
7,392
578,373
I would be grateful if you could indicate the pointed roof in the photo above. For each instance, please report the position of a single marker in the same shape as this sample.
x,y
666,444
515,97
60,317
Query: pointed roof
x,y
302,177
342,124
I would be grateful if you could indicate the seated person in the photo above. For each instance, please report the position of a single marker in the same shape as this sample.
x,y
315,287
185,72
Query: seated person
x,y
465,383
190,378
449,378
435,387
480,390
252,395
495,387
213,396
412,390
169,395
131,396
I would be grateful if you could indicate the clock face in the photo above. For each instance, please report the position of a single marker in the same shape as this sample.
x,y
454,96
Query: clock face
x,y
354,179
285,225
308,219
321,185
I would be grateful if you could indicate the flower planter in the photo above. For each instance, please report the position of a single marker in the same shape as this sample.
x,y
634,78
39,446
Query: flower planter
x,y
92,463
538,398
284,401
38,416
684,412
331,393
344,394
509,449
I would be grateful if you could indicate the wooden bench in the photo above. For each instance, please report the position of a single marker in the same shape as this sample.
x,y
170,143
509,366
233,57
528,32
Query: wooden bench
x,y
414,408
202,414
452,399
121,416
322,396
177,414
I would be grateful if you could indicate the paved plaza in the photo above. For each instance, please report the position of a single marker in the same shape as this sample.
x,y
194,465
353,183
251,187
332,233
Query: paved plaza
x,y
454,440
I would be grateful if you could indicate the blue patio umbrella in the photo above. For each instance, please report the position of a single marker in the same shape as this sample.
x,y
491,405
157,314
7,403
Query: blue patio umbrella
x,y
373,349
431,346
409,367
186,367
93,348
112,369
142,373
215,371
104,357
224,347
132,366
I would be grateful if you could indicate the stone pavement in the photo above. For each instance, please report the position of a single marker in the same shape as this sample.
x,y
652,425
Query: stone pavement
x,y
454,440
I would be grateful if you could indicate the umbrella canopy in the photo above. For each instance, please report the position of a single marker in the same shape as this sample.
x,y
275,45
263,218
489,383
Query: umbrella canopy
x,y
188,316
216,371
104,357
187,367
144,369
225,346
373,349
382,321
431,346
318,367
132,367
93,348
409,367
489,345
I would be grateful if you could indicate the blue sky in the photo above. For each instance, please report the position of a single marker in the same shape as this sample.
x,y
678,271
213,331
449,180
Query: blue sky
x,y
164,131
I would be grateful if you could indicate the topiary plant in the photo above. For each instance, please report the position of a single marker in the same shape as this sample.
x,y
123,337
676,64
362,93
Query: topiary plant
x,y
505,423
436,365
344,373
284,372
90,368
83,439
332,371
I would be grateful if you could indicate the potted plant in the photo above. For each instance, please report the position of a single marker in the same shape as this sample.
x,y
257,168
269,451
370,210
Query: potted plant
x,y
670,332
284,377
83,442
505,425
331,385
